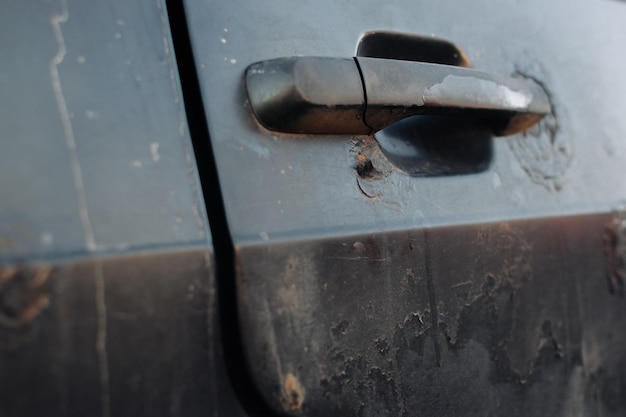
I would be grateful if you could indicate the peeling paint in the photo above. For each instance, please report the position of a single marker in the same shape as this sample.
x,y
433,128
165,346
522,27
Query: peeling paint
x,y
473,92
371,167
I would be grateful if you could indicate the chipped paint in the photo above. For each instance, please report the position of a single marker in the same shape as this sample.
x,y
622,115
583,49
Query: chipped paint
x,y
292,393
24,294
371,167
473,92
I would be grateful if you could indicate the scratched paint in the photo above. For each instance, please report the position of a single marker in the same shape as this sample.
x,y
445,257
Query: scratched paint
x,y
70,140
101,337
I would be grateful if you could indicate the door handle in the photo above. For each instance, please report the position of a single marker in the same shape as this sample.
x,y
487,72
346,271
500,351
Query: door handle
x,y
363,95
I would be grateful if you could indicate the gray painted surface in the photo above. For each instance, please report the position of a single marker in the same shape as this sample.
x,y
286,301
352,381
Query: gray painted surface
x,y
96,156
281,187
107,275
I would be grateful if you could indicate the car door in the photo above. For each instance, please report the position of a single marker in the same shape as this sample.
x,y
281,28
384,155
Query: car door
x,y
107,300
429,268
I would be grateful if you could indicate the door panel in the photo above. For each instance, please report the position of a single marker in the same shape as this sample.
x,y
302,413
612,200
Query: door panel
x,y
107,270
554,170
366,288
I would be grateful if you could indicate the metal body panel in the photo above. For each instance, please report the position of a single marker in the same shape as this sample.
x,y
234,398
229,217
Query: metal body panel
x,y
508,318
363,286
108,300
342,257
95,152
126,335
280,185
327,95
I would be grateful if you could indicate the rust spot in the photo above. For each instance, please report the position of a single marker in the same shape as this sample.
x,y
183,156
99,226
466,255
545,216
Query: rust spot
x,y
365,168
292,395
368,159
24,294
371,166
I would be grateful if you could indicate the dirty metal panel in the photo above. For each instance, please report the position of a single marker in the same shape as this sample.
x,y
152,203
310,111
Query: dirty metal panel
x,y
288,186
107,277
490,319
95,153
127,335
343,254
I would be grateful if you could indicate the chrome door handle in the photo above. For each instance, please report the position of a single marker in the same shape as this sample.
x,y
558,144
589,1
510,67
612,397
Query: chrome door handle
x,y
363,95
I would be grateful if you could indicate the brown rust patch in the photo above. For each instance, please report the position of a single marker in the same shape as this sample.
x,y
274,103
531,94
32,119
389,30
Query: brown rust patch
x,y
368,160
371,167
365,168
292,393
24,294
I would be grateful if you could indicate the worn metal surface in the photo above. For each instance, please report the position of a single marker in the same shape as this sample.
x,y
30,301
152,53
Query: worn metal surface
x,y
342,96
509,318
398,89
343,252
107,275
127,335
568,164
308,95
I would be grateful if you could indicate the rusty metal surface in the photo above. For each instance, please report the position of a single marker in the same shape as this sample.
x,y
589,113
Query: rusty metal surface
x,y
492,319
126,335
